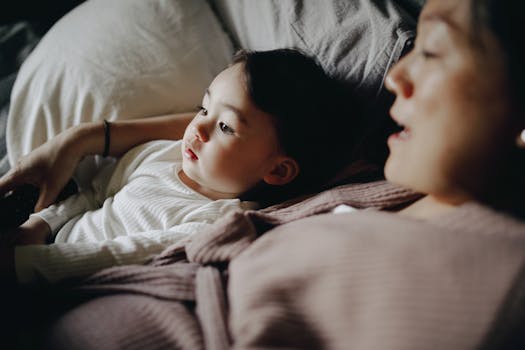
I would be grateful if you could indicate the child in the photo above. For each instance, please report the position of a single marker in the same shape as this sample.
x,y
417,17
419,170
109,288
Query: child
x,y
256,137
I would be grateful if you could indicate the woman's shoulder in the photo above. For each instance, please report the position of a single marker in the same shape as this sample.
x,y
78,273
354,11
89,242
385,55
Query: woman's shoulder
x,y
374,267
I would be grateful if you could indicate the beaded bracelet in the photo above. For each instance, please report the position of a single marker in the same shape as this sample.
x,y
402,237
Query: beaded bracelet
x,y
107,138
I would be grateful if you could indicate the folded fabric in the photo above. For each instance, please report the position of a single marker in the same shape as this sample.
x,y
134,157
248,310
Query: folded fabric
x,y
183,273
369,278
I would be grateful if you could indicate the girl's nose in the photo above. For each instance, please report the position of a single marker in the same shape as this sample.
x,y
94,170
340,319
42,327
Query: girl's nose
x,y
201,132
398,80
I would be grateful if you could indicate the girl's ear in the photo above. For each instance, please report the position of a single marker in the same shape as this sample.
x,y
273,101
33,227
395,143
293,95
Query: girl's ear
x,y
284,172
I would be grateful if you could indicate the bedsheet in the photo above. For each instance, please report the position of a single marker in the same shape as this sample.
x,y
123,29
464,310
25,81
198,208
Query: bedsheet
x,y
16,42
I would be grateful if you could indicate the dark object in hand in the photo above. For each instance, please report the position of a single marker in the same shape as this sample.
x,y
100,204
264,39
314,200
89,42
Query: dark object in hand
x,y
17,205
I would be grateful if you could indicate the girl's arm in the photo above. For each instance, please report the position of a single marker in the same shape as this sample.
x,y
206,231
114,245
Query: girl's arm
x,y
54,262
88,138
51,165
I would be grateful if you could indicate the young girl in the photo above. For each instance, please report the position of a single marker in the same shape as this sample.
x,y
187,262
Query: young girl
x,y
251,139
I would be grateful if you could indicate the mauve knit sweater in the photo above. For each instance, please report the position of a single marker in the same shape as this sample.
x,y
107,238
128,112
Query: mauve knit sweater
x,y
292,276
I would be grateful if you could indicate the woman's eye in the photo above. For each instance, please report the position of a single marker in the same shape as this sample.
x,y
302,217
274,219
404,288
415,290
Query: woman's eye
x,y
226,129
428,55
202,110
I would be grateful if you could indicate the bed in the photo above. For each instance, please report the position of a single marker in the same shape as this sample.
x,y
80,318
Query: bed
x,y
111,59
88,66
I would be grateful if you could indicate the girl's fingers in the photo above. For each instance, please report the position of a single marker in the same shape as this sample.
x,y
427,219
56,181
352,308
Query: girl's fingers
x,y
10,181
45,198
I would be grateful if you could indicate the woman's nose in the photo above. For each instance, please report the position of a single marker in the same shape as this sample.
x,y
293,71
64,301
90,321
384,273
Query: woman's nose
x,y
398,80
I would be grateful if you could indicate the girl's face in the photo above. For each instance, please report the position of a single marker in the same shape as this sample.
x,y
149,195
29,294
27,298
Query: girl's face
x,y
230,145
452,101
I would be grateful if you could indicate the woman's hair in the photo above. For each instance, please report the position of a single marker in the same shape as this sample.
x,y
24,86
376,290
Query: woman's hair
x,y
504,19
316,116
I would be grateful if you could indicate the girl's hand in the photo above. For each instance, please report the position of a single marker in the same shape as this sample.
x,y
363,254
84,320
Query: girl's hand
x,y
48,167
33,231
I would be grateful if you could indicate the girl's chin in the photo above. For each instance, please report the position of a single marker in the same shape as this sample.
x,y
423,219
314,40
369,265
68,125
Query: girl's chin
x,y
187,177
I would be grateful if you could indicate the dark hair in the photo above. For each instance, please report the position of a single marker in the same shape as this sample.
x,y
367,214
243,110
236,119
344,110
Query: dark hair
x,y
316,116
504,19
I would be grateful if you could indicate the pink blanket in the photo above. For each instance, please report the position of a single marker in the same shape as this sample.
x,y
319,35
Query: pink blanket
x,y
369,280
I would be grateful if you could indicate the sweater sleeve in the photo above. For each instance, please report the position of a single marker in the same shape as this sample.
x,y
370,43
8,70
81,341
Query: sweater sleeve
x,y
58,214
36,264
108,181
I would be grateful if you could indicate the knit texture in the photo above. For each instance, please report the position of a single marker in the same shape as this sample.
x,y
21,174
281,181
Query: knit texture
x,y
368,280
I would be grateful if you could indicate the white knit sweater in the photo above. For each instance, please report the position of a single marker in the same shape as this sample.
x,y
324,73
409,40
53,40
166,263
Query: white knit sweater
x,y
134,209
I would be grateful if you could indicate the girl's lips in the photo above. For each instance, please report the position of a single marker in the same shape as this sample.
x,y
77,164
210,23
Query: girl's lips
x,y
188,153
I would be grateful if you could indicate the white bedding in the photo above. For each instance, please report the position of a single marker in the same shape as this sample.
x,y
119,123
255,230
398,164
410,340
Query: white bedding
x,y
114,59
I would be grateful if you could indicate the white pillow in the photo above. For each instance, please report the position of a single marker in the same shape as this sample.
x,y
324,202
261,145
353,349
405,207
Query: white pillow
x,y
115,59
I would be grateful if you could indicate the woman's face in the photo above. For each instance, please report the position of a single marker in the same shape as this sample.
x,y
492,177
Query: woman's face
x,y
452,100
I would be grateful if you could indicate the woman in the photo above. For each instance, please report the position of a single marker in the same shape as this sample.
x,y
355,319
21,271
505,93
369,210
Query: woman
x,y
458,89
434,273
442,272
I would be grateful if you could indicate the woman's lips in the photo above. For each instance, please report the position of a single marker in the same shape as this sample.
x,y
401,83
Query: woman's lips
x,y
402,135
403,132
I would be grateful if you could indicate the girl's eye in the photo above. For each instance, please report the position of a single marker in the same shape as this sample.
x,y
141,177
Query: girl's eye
x,y
226,129
202,110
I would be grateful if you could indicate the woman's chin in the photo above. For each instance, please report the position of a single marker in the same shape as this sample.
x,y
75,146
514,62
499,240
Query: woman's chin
x,y
393,172
388,170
